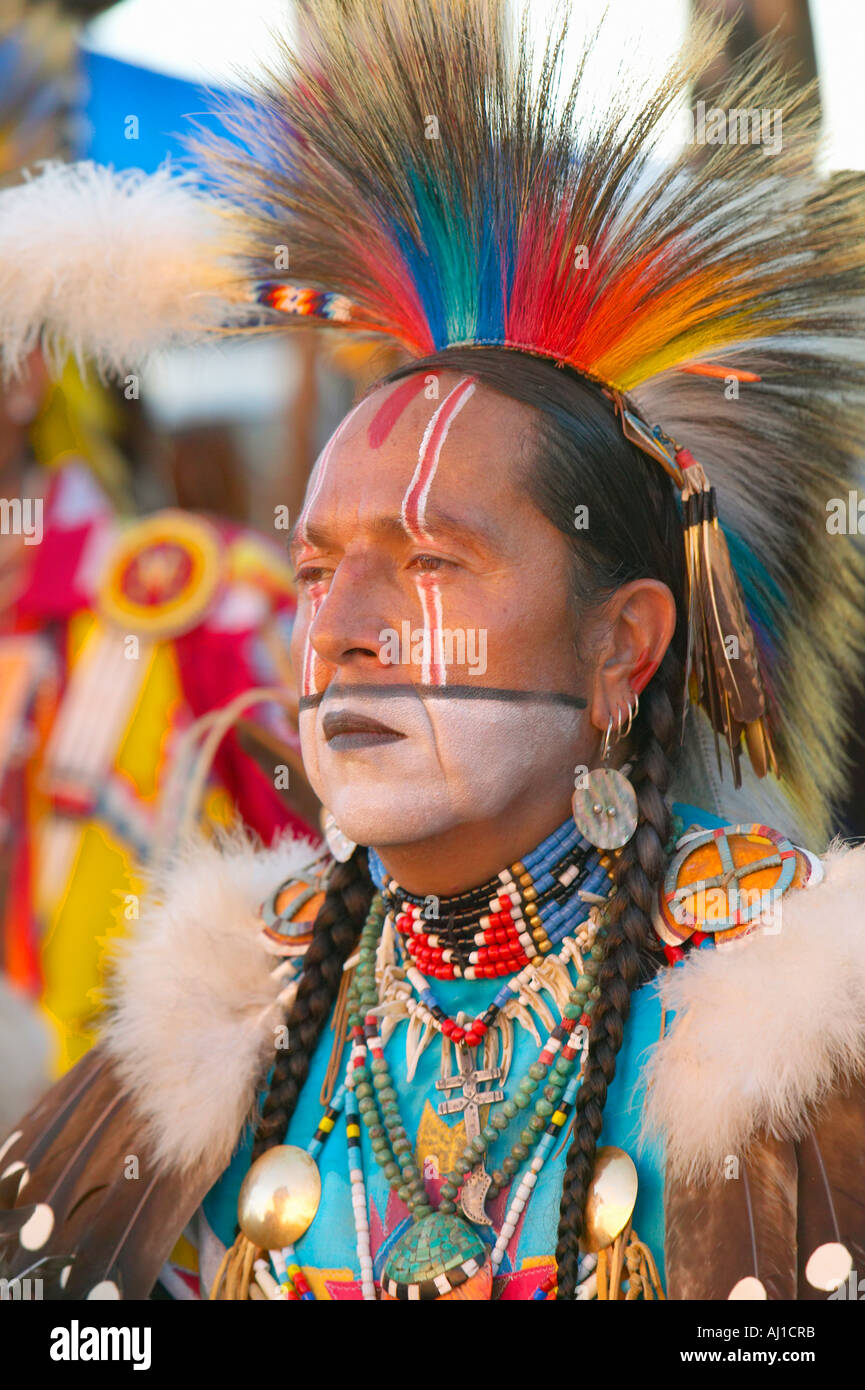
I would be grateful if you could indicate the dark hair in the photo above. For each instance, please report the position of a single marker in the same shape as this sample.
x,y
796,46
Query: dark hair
x,y
337,927
581,458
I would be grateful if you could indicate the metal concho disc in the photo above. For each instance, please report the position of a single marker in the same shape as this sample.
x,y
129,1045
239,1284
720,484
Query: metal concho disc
x,y
611,1198
605,809
279,1197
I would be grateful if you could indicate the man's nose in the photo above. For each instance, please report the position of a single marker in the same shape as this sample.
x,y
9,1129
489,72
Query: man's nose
x,y
351,623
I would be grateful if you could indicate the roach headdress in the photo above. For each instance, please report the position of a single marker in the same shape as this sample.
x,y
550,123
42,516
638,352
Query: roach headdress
x,y
427,182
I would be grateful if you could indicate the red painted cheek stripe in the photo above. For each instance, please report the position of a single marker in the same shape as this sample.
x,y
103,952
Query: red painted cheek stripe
x,y
387,415
309,650
433,669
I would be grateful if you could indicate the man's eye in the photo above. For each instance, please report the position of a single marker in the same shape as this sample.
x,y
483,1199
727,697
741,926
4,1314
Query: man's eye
x,y
311,574
428,562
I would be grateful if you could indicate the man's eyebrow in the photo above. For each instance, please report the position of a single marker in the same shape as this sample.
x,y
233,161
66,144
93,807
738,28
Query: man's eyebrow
x,y
294,535
437,523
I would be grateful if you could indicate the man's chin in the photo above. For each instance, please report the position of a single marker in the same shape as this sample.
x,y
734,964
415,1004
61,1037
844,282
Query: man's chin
x,y
391,823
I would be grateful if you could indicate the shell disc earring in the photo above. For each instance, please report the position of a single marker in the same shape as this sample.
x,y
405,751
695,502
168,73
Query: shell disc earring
x,y
340,846
605,806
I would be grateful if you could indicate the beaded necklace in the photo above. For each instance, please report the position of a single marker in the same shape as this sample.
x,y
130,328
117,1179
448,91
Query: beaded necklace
x,y
443,1235
543,887
511,921
443,1251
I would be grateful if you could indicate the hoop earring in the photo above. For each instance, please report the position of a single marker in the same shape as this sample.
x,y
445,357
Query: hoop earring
x,y
632,715
605,748
605,808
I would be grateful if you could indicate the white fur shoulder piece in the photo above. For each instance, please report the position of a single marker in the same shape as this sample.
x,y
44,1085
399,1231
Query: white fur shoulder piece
x,y
763,1029
193,1005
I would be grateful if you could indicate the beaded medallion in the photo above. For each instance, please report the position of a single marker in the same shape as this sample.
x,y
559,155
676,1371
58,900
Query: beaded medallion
x,y
727,881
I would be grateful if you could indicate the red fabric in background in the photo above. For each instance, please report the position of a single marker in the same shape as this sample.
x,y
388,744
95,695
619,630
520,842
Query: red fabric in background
x,y
213,669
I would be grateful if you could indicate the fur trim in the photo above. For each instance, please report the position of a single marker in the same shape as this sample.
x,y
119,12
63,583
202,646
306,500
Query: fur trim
x,y
193,1003
110,266
764,1029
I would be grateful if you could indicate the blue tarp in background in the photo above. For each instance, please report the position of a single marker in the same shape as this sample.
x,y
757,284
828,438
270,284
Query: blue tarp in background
x,y
164,106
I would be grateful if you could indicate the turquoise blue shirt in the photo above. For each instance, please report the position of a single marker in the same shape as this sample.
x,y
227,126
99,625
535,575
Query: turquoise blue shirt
x,y
327,1252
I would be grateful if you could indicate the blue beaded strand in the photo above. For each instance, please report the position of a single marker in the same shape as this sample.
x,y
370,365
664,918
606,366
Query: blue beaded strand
x,y
540,861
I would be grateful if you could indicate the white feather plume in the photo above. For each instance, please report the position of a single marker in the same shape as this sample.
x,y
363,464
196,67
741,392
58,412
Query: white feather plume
x,y
110,266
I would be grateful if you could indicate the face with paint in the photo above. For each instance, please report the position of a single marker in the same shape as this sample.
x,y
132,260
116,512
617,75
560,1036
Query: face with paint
x,y
449,687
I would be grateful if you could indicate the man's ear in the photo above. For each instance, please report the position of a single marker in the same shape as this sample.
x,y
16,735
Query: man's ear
x,y
638,625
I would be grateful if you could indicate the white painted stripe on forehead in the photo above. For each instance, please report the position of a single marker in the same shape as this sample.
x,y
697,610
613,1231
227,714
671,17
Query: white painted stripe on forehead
x,y
319,470
413,516
429,453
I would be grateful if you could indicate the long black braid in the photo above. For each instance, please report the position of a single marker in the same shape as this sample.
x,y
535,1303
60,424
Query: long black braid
x,y
335,932
628,960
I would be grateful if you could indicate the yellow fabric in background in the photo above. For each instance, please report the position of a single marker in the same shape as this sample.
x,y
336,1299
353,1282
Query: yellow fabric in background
x,y
141,756
74,951
78,419
96,905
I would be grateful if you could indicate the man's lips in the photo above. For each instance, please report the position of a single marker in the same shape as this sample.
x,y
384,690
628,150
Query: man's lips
x,y
344,729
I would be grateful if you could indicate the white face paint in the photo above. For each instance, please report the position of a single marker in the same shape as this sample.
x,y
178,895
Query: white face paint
x,y
459,760
431,756
319,472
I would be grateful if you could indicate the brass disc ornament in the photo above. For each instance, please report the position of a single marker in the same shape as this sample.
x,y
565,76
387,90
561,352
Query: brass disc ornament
x,y
611,1199
279,1197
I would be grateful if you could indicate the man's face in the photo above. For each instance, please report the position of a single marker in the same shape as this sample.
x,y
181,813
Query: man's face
x,y
434,638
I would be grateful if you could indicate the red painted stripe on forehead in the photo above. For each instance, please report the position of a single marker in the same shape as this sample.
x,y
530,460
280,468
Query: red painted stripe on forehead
x,y
389,412
431,445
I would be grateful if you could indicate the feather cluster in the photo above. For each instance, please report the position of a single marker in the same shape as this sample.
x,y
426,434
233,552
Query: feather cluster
x,y
456,192
443,188
110,266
